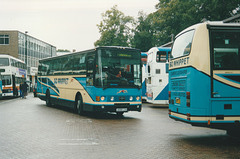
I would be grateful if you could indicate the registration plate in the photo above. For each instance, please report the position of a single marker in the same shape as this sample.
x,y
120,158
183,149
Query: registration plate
x,y
121,109
178,101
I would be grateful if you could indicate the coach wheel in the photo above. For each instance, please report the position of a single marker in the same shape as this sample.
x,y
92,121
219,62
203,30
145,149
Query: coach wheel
x,y
48,100
79,105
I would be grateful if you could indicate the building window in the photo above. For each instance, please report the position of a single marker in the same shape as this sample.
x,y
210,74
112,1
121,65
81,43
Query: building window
x,y
4,39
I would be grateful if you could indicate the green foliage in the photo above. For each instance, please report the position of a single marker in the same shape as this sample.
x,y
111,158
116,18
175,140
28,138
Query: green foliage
x,y
114,28
143,33
173,16
155,29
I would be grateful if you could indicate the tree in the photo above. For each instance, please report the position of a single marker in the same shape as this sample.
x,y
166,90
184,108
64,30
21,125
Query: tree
x,y
143,35
115,28
173,16
155,29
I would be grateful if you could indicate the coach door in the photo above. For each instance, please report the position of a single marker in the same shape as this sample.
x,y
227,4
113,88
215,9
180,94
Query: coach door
x,y
14,85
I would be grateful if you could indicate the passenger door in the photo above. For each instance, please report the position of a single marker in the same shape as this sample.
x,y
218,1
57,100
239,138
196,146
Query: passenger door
x,y
14,85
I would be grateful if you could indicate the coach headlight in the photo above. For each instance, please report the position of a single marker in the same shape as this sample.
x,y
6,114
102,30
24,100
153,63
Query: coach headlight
x,y
102,98
130,98
137,98
98,98
112,99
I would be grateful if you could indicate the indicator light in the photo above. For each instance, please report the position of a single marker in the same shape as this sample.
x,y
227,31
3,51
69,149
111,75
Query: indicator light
x,y
188,116
137,98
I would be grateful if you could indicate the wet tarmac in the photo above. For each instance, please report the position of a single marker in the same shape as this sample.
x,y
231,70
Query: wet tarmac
x,y
31,130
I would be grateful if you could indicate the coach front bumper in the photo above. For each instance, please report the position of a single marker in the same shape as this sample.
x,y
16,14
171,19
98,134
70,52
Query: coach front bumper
x,y
117,107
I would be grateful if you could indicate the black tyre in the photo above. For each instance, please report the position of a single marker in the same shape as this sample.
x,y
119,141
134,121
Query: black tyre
x,y
79,105
48,99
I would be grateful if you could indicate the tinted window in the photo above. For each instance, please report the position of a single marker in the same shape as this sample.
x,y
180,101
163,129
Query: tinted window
x,y
161,56
72,64
79,66
4,62
57,66
182,44
90,68
6,80
118,68
67,65
225,47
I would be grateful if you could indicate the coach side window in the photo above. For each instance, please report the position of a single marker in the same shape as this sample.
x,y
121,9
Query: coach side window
x,y
57,66
182,44
79,66
90,67
161,56
226,47
67,65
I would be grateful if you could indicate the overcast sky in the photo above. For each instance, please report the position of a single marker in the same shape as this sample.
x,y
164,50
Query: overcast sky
x,y
66,24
